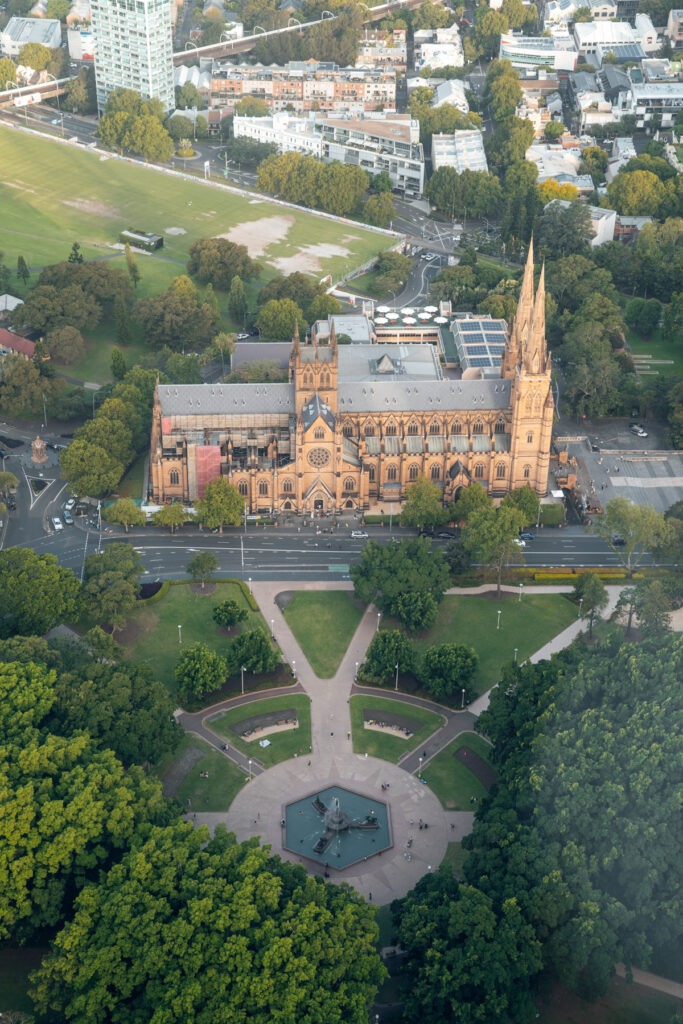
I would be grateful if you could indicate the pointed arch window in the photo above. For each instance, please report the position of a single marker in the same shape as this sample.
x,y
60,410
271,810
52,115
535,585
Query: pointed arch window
x,y
263,488
369,430
174,477
436,473
349,484
287,487
371,474
529,438
479,471
390,430
435,428
347,430
500,427
413,472
500,471
456,428
478,427
413,429
527,472
319,434
243,489
392,473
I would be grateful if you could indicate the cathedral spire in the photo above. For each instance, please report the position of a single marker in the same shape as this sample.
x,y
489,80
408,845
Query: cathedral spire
x,y
520,325
535,348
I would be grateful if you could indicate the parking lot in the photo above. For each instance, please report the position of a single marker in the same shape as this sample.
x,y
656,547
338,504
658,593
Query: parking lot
x,y
613,462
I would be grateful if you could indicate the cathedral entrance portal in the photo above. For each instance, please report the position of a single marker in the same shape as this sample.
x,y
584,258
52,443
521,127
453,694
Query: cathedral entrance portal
x,y
318,504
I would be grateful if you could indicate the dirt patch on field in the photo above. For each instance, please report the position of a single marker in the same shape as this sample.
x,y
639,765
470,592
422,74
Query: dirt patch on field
x,y
93,206
259,235
308,258
128,635
175,231
179,769
480,768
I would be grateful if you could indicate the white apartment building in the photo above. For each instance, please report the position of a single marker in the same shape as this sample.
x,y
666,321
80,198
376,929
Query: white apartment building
x,y
652,99
20,31
377,143
383,48
557,52
589,35
438,48
133,49
674,28
463,151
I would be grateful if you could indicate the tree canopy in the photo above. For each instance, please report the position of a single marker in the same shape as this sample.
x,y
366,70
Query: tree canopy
x,y
229,933
400,577
36,592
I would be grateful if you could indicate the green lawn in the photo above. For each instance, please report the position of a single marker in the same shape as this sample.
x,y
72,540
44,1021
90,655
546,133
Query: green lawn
x,y
366,284
323,623
197,794
152,632
54,194
386,745
659,349
283,745
131,485
455,859
450,780
623,1004
525,625
15,967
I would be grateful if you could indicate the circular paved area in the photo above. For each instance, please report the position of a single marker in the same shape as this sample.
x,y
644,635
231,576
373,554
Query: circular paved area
x,y
257,811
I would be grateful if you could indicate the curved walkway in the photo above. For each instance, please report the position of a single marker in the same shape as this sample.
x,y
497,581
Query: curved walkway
x,y
258,807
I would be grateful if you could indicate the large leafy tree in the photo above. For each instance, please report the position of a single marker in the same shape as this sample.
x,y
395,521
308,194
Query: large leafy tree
x,y
176,315
468,960
221,505
229,613
111,584
640,528
230,933
126,513
200,670
387,572
563,231
491,534
423,506
217,260
202,566
388,648
278,319
171,516
449,668
36,592
526,501
253,650
69,809
591,594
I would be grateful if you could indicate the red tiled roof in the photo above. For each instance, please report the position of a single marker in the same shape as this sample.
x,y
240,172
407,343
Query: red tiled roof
x,y
15,341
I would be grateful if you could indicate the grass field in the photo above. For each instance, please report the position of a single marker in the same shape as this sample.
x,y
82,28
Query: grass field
x,y
525,625
214,793
670,354
152,632
54,194
451,780
323,624
455,859
283,745
386,745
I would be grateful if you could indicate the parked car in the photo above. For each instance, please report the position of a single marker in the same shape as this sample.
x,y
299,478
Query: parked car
x,y
359,535
242,336
527,535
444,535
68,518
70,504
617,540
519,542
57,524
638,430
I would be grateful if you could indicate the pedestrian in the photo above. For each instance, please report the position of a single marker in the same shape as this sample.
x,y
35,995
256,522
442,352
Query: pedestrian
x,y
348,735
308,763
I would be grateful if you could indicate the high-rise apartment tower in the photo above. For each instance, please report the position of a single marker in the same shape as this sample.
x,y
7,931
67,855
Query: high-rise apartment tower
x,y
133,49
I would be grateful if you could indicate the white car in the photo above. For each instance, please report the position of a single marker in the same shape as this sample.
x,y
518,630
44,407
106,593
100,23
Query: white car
x,y
242,336
359,535
638,430
519,542
57,524
70,504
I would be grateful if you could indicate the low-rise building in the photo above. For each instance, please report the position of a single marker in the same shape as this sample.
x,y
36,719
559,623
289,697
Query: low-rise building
x,y
560,162
81,42
438,48
380,142
657,69
589,35
647,34
201,80
557,52
451,91
622,151
305,86
674,28
12,344
463,150
603,222
559,12
618,53
20,31
648,100
603,10
383,48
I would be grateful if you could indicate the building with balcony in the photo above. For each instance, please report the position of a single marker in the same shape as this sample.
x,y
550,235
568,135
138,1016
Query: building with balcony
x,y
463,150
303,86
133,49
380,48
375,143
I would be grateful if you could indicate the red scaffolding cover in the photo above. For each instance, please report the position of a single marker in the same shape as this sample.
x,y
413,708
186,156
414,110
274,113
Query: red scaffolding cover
x,y
208,458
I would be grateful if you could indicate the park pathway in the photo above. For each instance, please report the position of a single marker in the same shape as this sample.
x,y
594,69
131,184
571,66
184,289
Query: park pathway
x,y
258,809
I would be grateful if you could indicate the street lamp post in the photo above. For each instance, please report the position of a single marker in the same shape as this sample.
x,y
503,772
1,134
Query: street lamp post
x,y
250,769
294,668
396,680
379,619
521,588
44,412
580,607
498,613
419,768
242,675
272,629
355,677
463,698
250,585
180,633
516,650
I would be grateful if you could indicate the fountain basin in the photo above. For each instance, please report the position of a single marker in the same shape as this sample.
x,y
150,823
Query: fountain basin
x,y
337,827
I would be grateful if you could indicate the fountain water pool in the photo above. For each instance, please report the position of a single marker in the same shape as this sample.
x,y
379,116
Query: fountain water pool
x,y
337,827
